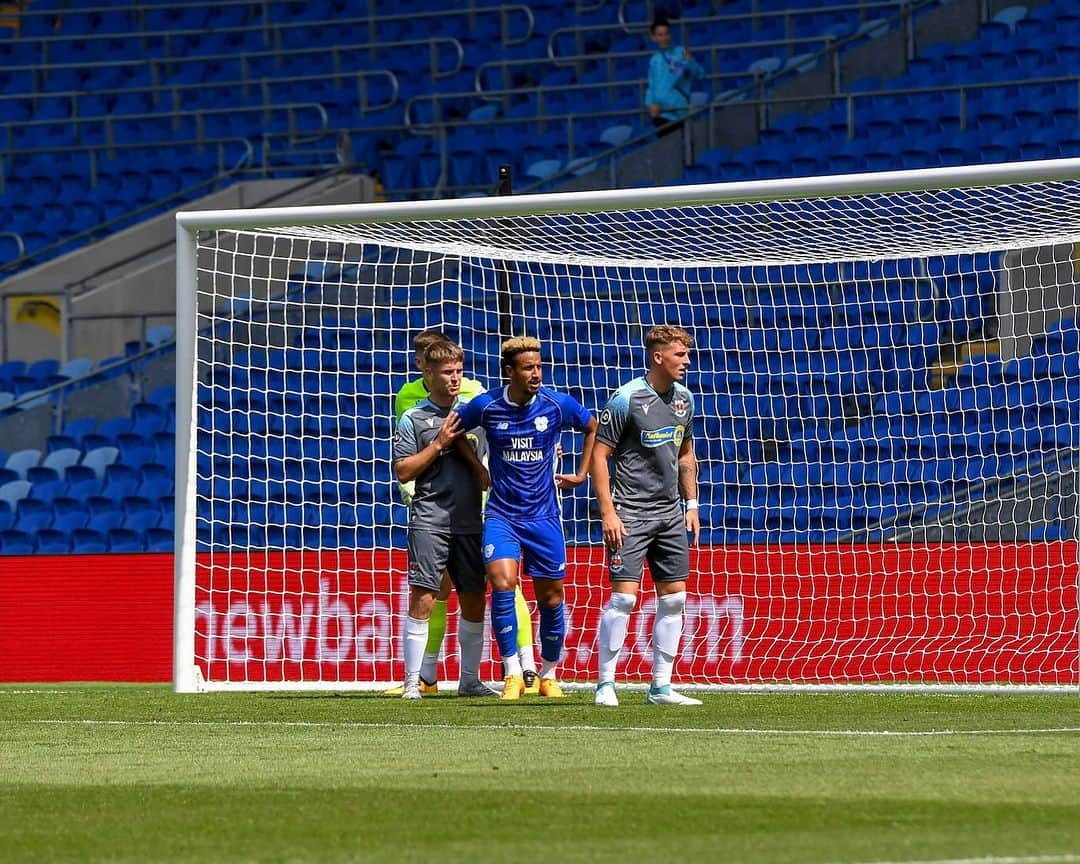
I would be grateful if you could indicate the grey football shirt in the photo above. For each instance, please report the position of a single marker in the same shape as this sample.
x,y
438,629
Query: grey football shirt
x,y
447,496
646,430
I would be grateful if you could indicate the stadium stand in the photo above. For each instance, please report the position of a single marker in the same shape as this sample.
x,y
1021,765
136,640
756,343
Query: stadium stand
x,y
153,101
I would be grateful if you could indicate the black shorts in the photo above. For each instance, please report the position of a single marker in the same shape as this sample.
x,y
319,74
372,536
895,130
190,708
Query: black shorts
x,y
432,552
661,542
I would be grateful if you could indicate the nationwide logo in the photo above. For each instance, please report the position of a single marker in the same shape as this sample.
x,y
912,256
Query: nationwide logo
x,y
541,424
662,436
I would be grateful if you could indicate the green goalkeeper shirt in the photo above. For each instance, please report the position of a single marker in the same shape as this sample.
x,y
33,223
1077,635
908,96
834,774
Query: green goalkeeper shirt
x,y
413,394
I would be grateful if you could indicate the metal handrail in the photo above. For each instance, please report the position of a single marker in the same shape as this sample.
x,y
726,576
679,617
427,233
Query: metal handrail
x,y
45,392
265,84
170,244
755,16
471,11
17,237
153,63
110,120
610,56
109,225
763,104
541,93
832,51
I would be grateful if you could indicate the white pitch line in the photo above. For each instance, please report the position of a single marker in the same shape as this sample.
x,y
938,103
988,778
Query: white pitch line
x,y
5,692
325,724
1065,858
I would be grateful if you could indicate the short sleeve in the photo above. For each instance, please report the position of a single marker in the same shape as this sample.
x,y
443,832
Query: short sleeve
x,y
574,414
404,439
613,419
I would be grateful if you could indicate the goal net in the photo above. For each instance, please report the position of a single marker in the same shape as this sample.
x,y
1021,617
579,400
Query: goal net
x,y
887,426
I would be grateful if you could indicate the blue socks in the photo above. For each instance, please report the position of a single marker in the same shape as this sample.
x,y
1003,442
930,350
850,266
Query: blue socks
x,y
504,622
552,633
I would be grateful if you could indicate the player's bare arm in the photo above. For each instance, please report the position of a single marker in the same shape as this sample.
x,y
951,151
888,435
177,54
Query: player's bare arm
x,y
411,467
613,528
572,481
688,473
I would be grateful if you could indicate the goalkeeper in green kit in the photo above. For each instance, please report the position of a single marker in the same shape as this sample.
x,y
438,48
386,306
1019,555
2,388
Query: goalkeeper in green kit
x,y
408,396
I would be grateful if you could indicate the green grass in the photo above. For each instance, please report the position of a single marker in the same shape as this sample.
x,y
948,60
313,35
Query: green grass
x,y
125,773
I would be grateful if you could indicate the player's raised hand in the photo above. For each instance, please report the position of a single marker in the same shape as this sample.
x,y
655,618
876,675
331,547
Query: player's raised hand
x,y
449,430
693,525
614,531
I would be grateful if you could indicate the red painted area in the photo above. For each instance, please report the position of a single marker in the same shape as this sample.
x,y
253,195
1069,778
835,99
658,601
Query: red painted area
x,y
953,614
86,618
956,614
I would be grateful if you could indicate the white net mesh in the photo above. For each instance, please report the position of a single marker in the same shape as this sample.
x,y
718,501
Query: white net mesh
x,y
888,423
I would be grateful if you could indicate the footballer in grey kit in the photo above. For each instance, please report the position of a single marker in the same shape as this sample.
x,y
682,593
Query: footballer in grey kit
x,y
445,521
447,498
646,430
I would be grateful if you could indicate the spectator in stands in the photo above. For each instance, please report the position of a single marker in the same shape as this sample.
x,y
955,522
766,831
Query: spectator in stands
x,y
672,72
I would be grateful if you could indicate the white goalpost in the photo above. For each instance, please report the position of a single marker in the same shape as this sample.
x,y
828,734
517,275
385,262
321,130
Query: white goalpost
x,y
887,380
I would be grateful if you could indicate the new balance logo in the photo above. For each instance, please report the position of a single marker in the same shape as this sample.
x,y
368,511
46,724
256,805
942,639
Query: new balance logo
x,y
506,629
502,426
431,422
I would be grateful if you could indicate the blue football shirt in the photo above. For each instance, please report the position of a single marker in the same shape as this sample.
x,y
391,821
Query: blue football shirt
x,y
522,440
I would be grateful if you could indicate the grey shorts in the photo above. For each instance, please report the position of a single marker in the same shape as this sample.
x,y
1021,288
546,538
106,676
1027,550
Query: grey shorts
x,y
432,552
661,542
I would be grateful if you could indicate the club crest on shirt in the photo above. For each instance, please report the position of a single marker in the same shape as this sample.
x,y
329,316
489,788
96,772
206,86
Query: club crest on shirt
x,y
541,424
679,406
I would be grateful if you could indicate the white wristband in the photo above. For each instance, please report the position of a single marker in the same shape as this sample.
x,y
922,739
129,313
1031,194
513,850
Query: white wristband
x,y
691,504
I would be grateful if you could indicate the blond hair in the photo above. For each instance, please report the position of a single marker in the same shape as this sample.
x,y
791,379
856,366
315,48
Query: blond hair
x,y
518,345
442,351
666,334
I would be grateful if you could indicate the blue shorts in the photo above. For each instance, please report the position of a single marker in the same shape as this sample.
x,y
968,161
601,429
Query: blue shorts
x,y
540,542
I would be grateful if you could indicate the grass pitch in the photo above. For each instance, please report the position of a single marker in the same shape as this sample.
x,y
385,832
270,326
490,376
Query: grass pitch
x,y
125,773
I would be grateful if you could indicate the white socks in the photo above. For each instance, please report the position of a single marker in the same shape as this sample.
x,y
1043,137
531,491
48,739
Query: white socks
x,y
416,633
613,624
471,640
667,630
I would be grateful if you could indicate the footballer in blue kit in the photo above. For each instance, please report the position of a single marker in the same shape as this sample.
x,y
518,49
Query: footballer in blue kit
x,y
523,423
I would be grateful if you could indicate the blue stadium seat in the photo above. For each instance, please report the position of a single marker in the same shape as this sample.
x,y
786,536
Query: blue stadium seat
x,y
14,542
124,540
99,459
88,541
107,519
22,460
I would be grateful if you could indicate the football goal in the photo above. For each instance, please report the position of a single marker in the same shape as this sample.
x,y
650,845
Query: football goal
x,y
887,420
